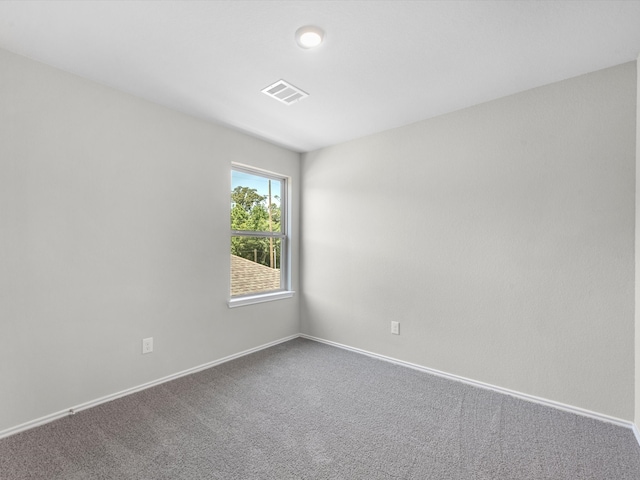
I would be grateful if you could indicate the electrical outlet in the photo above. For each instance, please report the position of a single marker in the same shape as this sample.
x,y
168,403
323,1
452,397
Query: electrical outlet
x,y
147,345
395,328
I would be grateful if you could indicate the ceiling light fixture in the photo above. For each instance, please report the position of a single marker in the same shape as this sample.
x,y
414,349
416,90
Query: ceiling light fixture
x,y
309,36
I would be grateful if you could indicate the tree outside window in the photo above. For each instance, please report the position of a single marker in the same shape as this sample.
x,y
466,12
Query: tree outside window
x,y
257,232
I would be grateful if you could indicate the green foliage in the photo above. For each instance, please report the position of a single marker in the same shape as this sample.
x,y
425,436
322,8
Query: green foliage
x,y
250,211
246,198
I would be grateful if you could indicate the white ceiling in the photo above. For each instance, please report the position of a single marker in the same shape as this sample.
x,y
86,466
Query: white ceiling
x,y
383,63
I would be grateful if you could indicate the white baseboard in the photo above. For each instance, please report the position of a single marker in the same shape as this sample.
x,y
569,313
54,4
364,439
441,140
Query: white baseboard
x,y
513,393
83,406
636,432
523,396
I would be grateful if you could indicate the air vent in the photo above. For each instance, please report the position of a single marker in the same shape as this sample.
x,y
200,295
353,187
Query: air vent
x,y
284,92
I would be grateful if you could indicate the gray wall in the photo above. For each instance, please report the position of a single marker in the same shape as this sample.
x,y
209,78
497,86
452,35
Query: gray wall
x,y
500,236
637,258
114,226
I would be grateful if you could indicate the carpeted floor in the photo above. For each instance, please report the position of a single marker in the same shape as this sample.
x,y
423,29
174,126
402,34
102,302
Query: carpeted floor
x,y
305,410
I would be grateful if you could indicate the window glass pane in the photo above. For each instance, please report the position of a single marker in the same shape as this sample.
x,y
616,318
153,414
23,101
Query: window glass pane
x,y
255,264
255,203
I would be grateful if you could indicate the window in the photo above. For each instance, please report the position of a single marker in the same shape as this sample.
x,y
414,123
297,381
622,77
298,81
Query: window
x,y
259,242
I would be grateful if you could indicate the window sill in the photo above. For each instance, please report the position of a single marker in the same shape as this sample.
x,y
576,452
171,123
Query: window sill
x,y
259,298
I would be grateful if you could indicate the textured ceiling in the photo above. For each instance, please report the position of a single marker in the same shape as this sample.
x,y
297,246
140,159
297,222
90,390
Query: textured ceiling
x,y
383,63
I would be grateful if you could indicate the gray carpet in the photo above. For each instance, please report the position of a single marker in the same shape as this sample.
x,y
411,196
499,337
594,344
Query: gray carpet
x,y
304,410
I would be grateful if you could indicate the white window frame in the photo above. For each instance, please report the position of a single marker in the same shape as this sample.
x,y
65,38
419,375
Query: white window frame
x,y
284,236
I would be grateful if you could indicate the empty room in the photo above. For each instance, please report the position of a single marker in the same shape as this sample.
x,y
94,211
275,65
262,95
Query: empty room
x,y
319,240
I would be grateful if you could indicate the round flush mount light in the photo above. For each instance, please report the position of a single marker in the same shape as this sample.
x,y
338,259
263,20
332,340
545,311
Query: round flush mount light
x,y
309,36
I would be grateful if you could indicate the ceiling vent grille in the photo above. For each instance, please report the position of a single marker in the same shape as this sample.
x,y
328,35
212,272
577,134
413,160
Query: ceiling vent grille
x,y
284,92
